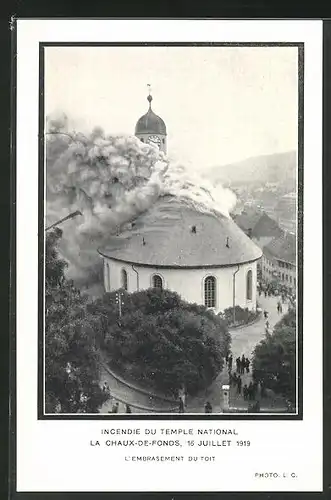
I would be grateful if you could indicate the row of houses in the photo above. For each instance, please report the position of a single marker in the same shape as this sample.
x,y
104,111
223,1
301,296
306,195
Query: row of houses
x,y
278,263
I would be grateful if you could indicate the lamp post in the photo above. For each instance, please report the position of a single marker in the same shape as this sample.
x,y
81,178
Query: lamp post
x,y
119,302
70,216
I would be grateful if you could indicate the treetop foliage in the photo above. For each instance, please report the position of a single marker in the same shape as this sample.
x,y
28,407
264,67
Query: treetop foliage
x,y
162,340
71,350
274,360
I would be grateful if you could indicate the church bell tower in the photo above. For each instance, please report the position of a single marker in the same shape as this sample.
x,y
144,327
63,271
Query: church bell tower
x,y
151,129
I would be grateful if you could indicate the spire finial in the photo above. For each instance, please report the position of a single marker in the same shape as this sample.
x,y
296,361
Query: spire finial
x,y
149,97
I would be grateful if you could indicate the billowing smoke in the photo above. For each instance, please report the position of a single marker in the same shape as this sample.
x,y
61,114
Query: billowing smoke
x,y
111,180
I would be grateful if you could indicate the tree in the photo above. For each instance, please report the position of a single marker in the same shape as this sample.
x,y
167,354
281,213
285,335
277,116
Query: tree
x,y
274,358
71,347
241,316
162,340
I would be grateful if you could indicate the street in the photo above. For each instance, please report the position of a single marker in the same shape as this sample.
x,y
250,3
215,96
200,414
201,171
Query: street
x,y
244,340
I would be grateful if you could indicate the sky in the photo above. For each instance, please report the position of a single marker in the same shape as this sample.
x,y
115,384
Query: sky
x,y
220,104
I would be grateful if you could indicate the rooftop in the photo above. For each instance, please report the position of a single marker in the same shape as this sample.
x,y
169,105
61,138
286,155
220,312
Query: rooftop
x,y
259,222
174,234
247,219
283,247
266,226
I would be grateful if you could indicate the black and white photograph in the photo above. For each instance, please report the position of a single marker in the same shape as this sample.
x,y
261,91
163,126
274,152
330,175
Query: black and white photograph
x,y
171,224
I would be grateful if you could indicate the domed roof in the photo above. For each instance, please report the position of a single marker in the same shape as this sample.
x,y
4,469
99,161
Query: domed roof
x,y
174,234
150,123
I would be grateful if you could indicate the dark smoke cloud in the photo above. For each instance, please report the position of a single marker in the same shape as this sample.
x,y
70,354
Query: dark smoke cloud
x,y
111,180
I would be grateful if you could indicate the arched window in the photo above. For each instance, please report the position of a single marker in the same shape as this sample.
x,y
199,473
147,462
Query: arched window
x,y
124,279
210,291
157,281
249,285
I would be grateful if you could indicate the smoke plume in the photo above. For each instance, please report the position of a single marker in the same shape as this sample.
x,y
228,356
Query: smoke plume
x,y
111,180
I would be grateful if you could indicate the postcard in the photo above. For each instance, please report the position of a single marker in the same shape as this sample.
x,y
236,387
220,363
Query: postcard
x,y
168,256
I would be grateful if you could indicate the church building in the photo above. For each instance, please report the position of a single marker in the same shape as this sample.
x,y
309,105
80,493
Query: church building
x,y
206,258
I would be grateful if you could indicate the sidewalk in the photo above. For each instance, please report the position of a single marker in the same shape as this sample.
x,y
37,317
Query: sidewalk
x,y
141,402
143,390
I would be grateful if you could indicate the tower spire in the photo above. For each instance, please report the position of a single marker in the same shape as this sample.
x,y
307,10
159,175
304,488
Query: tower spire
x,y
149,97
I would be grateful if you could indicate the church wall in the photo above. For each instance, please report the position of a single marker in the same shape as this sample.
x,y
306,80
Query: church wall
x,y
188,283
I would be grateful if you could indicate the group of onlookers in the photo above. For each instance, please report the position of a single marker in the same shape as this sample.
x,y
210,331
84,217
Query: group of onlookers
x,y
242,363
269,290
251,391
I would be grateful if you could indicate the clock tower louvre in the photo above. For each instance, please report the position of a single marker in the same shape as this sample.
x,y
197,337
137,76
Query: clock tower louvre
x,y
151,129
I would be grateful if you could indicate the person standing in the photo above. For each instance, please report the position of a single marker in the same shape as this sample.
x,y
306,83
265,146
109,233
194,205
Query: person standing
x,y
239,382
247,365
115,408
230,362
105,388
235,378
208,407
243,364
245,392
238,364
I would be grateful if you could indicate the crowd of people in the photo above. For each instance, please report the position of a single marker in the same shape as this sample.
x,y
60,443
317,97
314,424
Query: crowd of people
x,y
252,391
272,290
242,367
284,297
